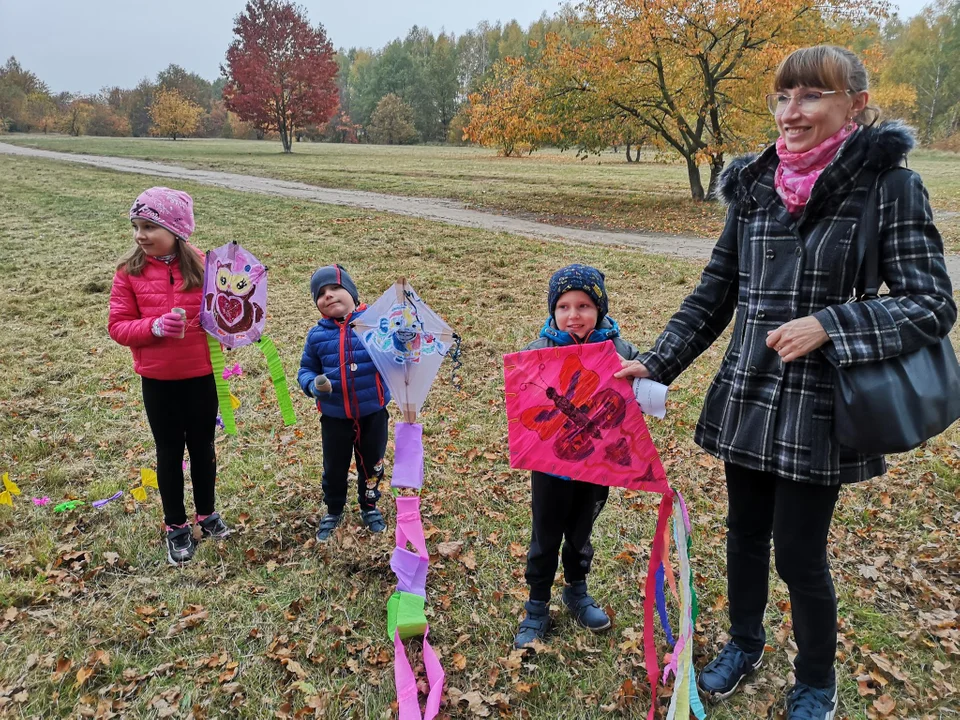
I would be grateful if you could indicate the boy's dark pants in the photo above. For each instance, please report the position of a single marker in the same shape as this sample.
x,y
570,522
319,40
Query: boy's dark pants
x,y
365,437
797,515
563,511
183,412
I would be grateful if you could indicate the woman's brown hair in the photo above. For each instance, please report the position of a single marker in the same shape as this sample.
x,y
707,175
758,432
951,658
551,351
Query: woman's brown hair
x,y
826,66
191,266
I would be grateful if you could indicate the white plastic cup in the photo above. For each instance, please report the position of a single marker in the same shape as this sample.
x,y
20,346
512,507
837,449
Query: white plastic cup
x,y
183,316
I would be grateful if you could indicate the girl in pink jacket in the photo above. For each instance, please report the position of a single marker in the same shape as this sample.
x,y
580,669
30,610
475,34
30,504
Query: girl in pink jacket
x,y
154,310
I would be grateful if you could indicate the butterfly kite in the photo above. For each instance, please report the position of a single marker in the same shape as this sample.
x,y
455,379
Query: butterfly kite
x,y
407,341
568,416
233,312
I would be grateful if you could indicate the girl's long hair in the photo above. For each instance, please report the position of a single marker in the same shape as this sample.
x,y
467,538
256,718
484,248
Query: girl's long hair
x,y
191,266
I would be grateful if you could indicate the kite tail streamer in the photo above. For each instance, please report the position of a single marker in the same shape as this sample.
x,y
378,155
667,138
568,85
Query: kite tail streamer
x,y
662,607
685,697
223,390
407,613
279,378
651,657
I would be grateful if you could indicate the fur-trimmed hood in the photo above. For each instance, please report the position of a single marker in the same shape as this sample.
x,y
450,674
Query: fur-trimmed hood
x,y
885,146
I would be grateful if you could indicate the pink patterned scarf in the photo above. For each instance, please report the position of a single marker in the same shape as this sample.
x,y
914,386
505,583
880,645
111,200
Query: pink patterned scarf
x,y
798,171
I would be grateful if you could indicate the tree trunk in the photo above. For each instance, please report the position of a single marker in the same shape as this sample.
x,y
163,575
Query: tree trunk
x,y
693,174
716,167
629,159
285,138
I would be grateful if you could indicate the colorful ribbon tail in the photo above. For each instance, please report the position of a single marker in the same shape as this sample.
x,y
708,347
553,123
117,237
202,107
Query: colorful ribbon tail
x,y
651,657
218,362
279,378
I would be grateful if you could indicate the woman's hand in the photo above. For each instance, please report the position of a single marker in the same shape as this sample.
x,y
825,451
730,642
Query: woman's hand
x,y
797,338
632,368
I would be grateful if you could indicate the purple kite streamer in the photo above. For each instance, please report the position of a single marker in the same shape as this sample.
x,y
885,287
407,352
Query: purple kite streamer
x,y
408,456
101,503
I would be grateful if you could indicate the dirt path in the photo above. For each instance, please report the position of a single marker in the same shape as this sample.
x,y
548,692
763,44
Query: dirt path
x,y
446,211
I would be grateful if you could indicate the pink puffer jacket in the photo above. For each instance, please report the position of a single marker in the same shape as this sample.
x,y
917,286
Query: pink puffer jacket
x,y
136,301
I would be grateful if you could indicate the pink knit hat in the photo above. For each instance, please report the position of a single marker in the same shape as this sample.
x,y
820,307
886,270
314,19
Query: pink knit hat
x,y
171,209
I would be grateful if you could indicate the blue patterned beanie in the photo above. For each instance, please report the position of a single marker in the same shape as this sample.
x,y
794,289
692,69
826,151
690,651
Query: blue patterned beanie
x,y
579,277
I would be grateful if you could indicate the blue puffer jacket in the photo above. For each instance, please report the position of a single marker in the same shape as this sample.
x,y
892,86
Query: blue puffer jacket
x,y
333,349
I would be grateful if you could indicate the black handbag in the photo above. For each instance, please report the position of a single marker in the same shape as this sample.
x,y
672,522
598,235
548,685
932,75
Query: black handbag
x,y
896,404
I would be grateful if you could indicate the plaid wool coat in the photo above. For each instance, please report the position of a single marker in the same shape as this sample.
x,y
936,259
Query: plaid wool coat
x,y
769,268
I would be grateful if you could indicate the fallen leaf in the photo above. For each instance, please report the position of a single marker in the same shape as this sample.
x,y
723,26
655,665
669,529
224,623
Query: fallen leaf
x,y
189,621
884,704
450,550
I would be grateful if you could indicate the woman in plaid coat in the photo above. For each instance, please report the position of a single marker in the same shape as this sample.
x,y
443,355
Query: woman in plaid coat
x,y
785,264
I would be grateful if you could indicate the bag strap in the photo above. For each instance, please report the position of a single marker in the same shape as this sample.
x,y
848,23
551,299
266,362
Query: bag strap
x,y
867,284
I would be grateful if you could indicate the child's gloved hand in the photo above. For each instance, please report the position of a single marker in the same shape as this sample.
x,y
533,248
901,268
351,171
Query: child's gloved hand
x,y
169,325
321,384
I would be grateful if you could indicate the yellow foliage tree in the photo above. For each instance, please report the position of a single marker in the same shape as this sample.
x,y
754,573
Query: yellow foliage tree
x,y
173,115
508,113
689,75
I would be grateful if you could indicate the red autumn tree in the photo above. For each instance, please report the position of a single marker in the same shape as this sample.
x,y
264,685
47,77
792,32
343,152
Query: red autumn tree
x,y
280,71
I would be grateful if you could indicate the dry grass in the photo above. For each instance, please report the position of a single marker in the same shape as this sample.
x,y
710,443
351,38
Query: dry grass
x,y
89,582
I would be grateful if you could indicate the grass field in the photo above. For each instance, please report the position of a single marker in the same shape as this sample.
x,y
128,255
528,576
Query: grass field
x,y
598,192
93,623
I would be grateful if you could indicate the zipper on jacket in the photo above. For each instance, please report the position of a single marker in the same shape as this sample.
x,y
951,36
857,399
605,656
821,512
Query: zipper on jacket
x,y
344,369
379,388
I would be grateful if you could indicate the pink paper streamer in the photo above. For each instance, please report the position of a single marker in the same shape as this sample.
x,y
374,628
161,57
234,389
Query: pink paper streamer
x,y
406,681
409,525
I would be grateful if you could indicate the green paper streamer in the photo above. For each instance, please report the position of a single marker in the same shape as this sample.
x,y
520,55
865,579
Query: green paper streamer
x,y
405,613
694,604
223,390
68,505
279,378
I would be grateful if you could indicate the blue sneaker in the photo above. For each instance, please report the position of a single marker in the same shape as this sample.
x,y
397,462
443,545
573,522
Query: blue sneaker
x,y
722,675
810,703
584,608
535,625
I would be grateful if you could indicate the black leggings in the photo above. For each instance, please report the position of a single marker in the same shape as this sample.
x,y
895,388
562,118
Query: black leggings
x,y
797,515
183,412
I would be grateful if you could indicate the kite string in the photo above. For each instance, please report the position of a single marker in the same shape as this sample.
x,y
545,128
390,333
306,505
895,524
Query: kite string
x,y
456,355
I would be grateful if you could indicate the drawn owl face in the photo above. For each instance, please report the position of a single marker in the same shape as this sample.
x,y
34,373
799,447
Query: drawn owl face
x,y
232,283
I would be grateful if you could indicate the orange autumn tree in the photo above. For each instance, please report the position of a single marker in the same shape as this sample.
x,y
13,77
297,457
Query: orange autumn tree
x,y
689,75
508,112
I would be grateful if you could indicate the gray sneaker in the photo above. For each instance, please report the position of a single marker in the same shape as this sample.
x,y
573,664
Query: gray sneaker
x,y
214,527
180,545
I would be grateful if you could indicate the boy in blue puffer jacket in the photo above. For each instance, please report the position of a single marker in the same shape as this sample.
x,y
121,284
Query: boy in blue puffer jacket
x,y
565,509
337,371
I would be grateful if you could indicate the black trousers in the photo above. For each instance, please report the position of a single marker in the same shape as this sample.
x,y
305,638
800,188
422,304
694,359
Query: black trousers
x,y
183,413
797,515
563,511
365,438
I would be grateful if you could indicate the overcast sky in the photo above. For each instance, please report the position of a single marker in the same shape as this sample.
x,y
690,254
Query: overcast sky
x,y
83,46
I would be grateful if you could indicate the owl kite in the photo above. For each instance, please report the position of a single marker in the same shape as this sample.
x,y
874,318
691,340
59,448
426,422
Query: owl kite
x,y
233,312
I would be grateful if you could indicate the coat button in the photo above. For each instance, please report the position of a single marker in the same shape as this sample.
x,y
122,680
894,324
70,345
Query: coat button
x,y
799,251
353,367
771,254
761,314
752,370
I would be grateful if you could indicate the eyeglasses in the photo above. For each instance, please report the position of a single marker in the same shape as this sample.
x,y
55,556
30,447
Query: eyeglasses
x,y
808,100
